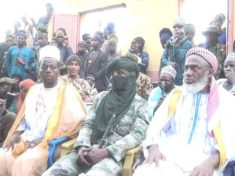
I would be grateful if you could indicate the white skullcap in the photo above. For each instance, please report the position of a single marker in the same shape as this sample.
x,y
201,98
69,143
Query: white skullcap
x,y
49,51
169,70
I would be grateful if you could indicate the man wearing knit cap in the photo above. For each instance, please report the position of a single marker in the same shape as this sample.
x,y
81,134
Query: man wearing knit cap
x,y
176,49
158,94
20,59
96,63
73,69
51,110
192,132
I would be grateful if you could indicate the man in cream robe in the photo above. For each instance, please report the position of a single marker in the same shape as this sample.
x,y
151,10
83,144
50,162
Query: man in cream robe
x,y
52,110
192,132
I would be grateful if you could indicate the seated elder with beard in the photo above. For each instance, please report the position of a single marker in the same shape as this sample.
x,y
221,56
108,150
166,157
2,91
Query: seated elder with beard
x,y
192,132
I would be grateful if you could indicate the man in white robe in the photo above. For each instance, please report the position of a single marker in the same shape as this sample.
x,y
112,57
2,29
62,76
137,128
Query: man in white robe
x,y
192,133
52,110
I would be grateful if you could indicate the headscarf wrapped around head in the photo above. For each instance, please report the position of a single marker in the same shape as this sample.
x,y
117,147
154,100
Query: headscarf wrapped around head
x,y
206,55
124,62
21,33
116,103
26,84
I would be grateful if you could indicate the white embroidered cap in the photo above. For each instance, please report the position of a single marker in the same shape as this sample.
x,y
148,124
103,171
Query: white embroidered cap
x,y
49,51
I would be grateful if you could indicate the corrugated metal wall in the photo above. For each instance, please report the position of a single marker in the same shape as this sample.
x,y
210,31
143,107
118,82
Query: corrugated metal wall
x,y
71,23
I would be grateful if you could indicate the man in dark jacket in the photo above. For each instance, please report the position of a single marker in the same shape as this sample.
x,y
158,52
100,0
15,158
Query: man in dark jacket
x,y
96,63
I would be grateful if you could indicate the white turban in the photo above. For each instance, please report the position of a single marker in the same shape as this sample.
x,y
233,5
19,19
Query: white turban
x,y
169,70
49,51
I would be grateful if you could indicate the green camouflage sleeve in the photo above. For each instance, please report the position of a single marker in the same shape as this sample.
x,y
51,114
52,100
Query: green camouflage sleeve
x,y
136,134
83,138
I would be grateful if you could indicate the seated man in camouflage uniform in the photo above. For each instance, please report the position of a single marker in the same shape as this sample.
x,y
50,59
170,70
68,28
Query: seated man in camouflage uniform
x,y
117,122
73,65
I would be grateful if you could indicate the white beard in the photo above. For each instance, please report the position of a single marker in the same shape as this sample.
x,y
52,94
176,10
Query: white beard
x,y
196,87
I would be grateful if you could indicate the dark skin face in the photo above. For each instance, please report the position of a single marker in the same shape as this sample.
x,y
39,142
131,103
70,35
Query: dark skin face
x,y
135,47
73,69
60,40
190,36
95,44
211,37
167,82
229,70
42,39
195,68
112,47
81,49
21,41
87,39
4,88
49,72
178,30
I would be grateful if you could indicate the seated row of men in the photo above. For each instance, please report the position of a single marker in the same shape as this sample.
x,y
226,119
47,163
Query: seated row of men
x,y
191,132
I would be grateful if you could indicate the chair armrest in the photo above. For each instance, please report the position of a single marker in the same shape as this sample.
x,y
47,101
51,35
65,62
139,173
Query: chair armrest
x,y
129,158
67,147
133,151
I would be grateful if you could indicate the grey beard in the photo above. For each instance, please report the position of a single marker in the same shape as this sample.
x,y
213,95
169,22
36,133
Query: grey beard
x,y
196,87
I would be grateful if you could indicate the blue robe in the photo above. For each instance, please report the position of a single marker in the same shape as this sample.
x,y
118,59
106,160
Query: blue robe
x,y
20,61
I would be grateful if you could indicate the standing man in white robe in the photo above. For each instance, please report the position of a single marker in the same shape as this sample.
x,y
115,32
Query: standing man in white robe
x,y
192,132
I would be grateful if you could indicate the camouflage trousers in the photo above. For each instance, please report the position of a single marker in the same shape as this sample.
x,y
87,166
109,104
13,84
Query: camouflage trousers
x,y
66,166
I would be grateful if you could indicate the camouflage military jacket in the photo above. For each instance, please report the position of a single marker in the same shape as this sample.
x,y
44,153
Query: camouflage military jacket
x,y
87,92
219,51
128,133
144,86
